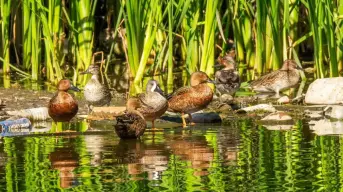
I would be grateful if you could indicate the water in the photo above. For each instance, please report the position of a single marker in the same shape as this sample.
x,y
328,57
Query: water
x,y
240,156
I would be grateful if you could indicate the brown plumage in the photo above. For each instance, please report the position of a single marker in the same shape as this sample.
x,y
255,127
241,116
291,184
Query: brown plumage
x,y
227,79
131,124
62,106
286,77
193,98
151,104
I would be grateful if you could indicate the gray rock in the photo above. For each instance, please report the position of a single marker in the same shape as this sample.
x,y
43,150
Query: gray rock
x,y
334,111
325,91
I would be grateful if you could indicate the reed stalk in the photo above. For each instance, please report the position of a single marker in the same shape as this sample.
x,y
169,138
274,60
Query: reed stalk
x,y
82,15
5,15
170,78
35,33
339,32
207,56
141,17
316,15
331,38
260,41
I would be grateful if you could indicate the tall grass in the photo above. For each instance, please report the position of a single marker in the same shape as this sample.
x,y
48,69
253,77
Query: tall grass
x,y
162,38
5,15
207,56
141,20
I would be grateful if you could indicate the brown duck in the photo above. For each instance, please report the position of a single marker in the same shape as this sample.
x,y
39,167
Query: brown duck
x,y
62,106
131,124
192,98
286,77
227,79
152,104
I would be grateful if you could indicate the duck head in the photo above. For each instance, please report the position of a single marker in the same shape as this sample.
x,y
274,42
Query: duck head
x,y
93,69
227,61
290,65
154,86
65,85
200,77
132,104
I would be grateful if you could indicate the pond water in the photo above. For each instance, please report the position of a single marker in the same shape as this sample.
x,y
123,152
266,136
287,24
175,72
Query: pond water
x,y
238,156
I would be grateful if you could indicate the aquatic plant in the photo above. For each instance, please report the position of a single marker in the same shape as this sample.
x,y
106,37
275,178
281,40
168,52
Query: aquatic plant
x,y
171,36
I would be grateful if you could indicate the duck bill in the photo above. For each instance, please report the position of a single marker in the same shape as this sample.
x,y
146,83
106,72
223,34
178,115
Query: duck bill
x,y
85,72
211,81
300,68
74,88
218,65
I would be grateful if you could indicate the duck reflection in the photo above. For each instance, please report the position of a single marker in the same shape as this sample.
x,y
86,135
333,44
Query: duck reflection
x,y
65,160
193,149
141,157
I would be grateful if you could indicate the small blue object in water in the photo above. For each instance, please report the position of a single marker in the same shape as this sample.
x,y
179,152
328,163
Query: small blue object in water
x,y
15,125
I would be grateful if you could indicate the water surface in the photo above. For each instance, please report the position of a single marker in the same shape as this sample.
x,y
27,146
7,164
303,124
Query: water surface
x,y
239,156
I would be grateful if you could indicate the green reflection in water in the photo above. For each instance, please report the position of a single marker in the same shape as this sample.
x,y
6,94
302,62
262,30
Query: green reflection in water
x,y
242,156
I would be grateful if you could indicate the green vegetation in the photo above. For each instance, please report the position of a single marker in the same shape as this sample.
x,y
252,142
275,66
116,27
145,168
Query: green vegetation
x,y
53,39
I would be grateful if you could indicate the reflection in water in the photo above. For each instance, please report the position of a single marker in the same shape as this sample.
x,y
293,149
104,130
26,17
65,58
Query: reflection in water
x,y
195,150
240,156
65,160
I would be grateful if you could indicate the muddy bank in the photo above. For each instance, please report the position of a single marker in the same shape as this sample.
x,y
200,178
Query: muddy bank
x,y
18,98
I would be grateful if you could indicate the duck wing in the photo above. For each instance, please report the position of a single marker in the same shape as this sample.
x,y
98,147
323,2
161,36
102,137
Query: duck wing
x,y
179,91
227,77
266,79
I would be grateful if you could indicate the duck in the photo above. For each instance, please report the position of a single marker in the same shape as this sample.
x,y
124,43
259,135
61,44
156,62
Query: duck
x,y
63,106
131,124
96,92
227,79
152,104
286,77
190,99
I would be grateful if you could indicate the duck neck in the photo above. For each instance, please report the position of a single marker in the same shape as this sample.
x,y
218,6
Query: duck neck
x,y
96,77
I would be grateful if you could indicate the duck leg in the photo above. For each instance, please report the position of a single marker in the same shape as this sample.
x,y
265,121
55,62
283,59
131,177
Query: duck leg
x,y
277,94
153,124
183,120
190,119
89,108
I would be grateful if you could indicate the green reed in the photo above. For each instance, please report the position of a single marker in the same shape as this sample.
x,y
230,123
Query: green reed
x,y
162,38
207,56
5,15
141,21
81,16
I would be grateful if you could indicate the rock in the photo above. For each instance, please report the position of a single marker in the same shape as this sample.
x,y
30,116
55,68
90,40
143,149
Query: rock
x,y
326,127
198,117
325,91
283,100
334,111
259,107
279,120
278,127
277,116
313,114
206,118
226,98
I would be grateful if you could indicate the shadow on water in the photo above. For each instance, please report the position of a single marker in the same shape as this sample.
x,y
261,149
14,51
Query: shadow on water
x,y
239,156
